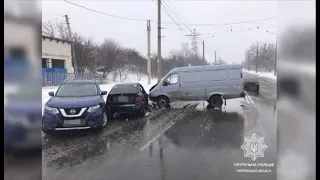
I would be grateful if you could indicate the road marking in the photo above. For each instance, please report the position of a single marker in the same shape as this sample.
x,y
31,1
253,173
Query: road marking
x,y
156,137
249,98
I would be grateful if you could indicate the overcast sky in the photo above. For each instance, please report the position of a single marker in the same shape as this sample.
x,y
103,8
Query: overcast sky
x,y
230,46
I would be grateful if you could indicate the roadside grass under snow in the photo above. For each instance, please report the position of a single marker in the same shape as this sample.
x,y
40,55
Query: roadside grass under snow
x,y
105,87
269,75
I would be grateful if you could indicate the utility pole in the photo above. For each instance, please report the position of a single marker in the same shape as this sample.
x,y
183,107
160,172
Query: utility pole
x,y
257,58
203,52
159,42
72,46
149,59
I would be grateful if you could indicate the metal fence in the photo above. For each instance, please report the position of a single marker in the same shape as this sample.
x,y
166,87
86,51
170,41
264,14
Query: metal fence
x,y
56,78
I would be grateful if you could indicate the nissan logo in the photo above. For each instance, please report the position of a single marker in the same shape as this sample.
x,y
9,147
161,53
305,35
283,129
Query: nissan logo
x,y
72,111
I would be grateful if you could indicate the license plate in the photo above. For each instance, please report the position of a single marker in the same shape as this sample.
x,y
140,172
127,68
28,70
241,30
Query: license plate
x,y
123,99
72,122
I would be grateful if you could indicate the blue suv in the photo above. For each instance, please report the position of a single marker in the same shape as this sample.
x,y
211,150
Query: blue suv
x,y
76,105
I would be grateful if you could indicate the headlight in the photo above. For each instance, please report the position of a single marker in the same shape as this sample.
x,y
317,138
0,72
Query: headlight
x,y
51,110
94,108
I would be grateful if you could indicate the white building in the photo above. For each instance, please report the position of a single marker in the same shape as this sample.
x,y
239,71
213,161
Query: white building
x,y
56,53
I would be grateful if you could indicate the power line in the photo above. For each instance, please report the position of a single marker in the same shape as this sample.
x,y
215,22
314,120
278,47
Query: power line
x,y
177,11
144,20
234,23
111,15
236,30
173,11
164,9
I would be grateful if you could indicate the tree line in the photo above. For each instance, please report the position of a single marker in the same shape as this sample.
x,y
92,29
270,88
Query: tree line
x,y
110,56
260,57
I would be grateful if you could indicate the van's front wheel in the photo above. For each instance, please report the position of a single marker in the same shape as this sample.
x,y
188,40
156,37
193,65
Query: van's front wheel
x,y
163,102
216,101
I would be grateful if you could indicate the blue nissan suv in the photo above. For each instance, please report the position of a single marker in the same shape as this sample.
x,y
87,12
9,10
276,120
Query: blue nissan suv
x,y
76,105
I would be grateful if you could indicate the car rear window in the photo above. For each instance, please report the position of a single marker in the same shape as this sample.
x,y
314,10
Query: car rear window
x,y
124,88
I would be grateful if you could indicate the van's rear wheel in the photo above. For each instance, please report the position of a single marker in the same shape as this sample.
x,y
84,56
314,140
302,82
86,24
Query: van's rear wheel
x,y
163,102
216,101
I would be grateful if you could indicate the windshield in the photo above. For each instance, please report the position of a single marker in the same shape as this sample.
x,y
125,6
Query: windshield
x,y
77,90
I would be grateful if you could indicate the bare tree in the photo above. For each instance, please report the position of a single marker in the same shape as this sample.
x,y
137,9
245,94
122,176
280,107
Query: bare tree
x,y
123,73
108,53
267,56
62,30
49,29
260,57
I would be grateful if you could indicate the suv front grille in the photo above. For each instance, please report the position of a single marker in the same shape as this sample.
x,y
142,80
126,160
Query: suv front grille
x,y
72,112
75,111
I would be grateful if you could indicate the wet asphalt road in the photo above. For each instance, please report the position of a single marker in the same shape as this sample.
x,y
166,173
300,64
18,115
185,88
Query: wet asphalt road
x,y
188,141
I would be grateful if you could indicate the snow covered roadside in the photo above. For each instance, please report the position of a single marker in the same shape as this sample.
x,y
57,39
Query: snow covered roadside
x,y
269,75
104,87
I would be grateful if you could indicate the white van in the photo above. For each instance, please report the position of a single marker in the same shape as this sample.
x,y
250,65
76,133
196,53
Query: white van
x,y
211,83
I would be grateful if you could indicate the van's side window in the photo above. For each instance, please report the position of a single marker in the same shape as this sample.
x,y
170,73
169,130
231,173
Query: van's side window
x,y
173,79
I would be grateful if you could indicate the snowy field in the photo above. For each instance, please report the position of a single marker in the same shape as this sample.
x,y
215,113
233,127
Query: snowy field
x,y
104,87
269,75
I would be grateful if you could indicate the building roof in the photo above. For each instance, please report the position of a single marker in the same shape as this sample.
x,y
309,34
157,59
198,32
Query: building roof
x,y
56,39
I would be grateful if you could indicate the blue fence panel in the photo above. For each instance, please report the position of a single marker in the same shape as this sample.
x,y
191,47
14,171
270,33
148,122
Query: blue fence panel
x,y
55,76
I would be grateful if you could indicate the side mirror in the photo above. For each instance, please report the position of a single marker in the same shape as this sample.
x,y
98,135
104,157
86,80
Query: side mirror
x,y
165,83
104,93
51,93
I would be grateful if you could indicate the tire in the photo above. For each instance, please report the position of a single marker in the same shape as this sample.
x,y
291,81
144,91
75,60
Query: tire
x,y
143,112
111,114
100,128
162,102
216,101
105,119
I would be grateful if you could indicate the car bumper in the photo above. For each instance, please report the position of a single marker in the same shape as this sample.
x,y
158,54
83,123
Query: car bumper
x,y
127,108
52,122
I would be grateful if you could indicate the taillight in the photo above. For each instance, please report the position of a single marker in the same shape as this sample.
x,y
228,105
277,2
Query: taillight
x,y
139,99
108,100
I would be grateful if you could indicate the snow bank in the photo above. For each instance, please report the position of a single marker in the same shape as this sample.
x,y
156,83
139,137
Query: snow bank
x,y
269,75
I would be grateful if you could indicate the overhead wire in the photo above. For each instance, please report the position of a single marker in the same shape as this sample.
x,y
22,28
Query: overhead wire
x,y
175,12
165,10
144,20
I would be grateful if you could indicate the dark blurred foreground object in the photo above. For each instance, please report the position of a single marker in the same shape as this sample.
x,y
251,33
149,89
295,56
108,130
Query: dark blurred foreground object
x,y
296,90
22,117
